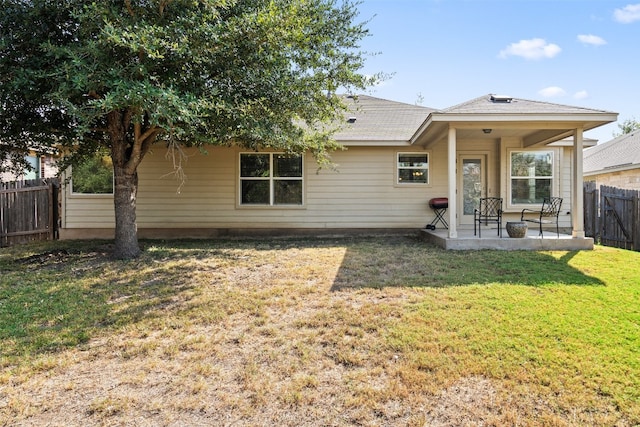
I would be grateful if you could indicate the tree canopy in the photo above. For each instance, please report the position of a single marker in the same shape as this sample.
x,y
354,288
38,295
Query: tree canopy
x,y
125,75
627,126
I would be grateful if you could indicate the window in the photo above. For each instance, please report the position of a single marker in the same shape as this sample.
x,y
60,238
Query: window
x,y
270,179
34,171
531,176
93,176
413,168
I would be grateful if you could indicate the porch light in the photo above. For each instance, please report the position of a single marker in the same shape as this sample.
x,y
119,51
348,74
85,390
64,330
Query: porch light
x,y
487,130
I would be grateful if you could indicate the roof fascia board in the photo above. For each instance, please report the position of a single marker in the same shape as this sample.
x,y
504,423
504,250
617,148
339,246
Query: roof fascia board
x,y
423,127
613,169
373,143
526,117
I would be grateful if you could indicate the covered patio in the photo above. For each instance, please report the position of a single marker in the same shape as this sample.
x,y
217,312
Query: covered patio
x,y
465,240
520,151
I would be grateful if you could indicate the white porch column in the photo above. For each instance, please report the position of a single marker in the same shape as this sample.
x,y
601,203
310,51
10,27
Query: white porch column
x,y
577,195
451,160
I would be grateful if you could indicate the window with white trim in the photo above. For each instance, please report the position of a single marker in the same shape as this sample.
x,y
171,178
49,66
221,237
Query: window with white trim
x,y
531,176
413,168
271,179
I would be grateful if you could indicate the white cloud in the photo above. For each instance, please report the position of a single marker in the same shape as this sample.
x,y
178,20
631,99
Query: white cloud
x,y
552,91
583,94
531,49
628,14
591,39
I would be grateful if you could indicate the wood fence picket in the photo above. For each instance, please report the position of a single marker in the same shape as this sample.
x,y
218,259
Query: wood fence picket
x,y
612,216
28,211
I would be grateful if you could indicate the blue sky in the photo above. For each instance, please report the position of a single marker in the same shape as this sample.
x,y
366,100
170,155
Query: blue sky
x,y
444,52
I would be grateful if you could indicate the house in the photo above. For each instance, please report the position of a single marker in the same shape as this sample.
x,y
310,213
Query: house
x,y
615,163
397,157
43,167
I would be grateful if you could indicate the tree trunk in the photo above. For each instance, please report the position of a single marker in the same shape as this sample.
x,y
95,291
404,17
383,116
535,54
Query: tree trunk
x,y
124,199
125,193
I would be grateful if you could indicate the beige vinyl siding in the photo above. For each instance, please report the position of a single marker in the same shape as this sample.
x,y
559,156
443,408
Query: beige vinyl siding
x,y
360,193
87,211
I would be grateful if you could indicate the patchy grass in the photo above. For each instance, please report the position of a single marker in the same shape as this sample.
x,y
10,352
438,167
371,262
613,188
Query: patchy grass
x,y
364,331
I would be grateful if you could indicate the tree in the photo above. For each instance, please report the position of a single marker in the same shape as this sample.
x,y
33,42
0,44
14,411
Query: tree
x,y
125,75
627,126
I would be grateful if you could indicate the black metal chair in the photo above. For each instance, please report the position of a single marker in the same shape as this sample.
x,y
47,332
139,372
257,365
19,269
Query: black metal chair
x,y
548,214
489,210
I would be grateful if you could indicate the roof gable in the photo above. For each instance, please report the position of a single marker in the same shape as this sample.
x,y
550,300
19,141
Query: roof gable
x,y
494,104
535,123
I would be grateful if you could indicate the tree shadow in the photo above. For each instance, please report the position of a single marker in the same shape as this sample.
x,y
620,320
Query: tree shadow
x,y
59,295
410,262
62,294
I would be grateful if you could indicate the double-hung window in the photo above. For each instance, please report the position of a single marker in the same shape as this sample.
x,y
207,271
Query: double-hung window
x,y
413,168
271,179
531,178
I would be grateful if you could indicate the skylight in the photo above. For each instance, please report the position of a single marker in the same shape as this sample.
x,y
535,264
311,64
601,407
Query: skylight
x,y
501,98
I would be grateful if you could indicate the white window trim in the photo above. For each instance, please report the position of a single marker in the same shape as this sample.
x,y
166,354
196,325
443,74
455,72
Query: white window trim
x,y
74,194
271,180
554,176
397,169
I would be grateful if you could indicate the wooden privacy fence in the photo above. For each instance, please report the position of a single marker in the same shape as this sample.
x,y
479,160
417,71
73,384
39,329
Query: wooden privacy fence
x,y
28,211
612,216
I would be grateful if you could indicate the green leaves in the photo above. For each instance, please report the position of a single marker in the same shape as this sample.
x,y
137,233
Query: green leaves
x,y
121,75
211,71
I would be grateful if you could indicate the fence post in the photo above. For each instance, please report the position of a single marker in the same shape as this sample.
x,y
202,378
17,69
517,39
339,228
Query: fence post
x,y
636,218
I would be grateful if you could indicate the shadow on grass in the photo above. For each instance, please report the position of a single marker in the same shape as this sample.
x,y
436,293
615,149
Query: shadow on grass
x,y
61,294
409,262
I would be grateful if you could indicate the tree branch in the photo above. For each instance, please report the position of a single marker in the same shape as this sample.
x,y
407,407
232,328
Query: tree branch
x,y
129,7
150,132
141,145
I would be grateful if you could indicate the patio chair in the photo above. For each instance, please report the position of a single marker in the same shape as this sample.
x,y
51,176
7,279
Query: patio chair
x,y
548,214
489,210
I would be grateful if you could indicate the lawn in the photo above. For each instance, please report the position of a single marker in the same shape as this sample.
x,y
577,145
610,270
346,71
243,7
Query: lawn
x,y
320,332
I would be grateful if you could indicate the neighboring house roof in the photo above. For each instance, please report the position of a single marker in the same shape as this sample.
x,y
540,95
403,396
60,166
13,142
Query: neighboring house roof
x,y
621,153
370,120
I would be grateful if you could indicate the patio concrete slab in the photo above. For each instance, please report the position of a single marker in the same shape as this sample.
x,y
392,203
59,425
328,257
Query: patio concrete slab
x,y
489,240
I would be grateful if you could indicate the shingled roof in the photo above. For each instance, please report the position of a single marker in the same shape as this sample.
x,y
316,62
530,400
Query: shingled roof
x,y
620,153
376,121
373,119
500,104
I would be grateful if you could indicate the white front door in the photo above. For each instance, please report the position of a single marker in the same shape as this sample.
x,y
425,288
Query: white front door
x,y
472,185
